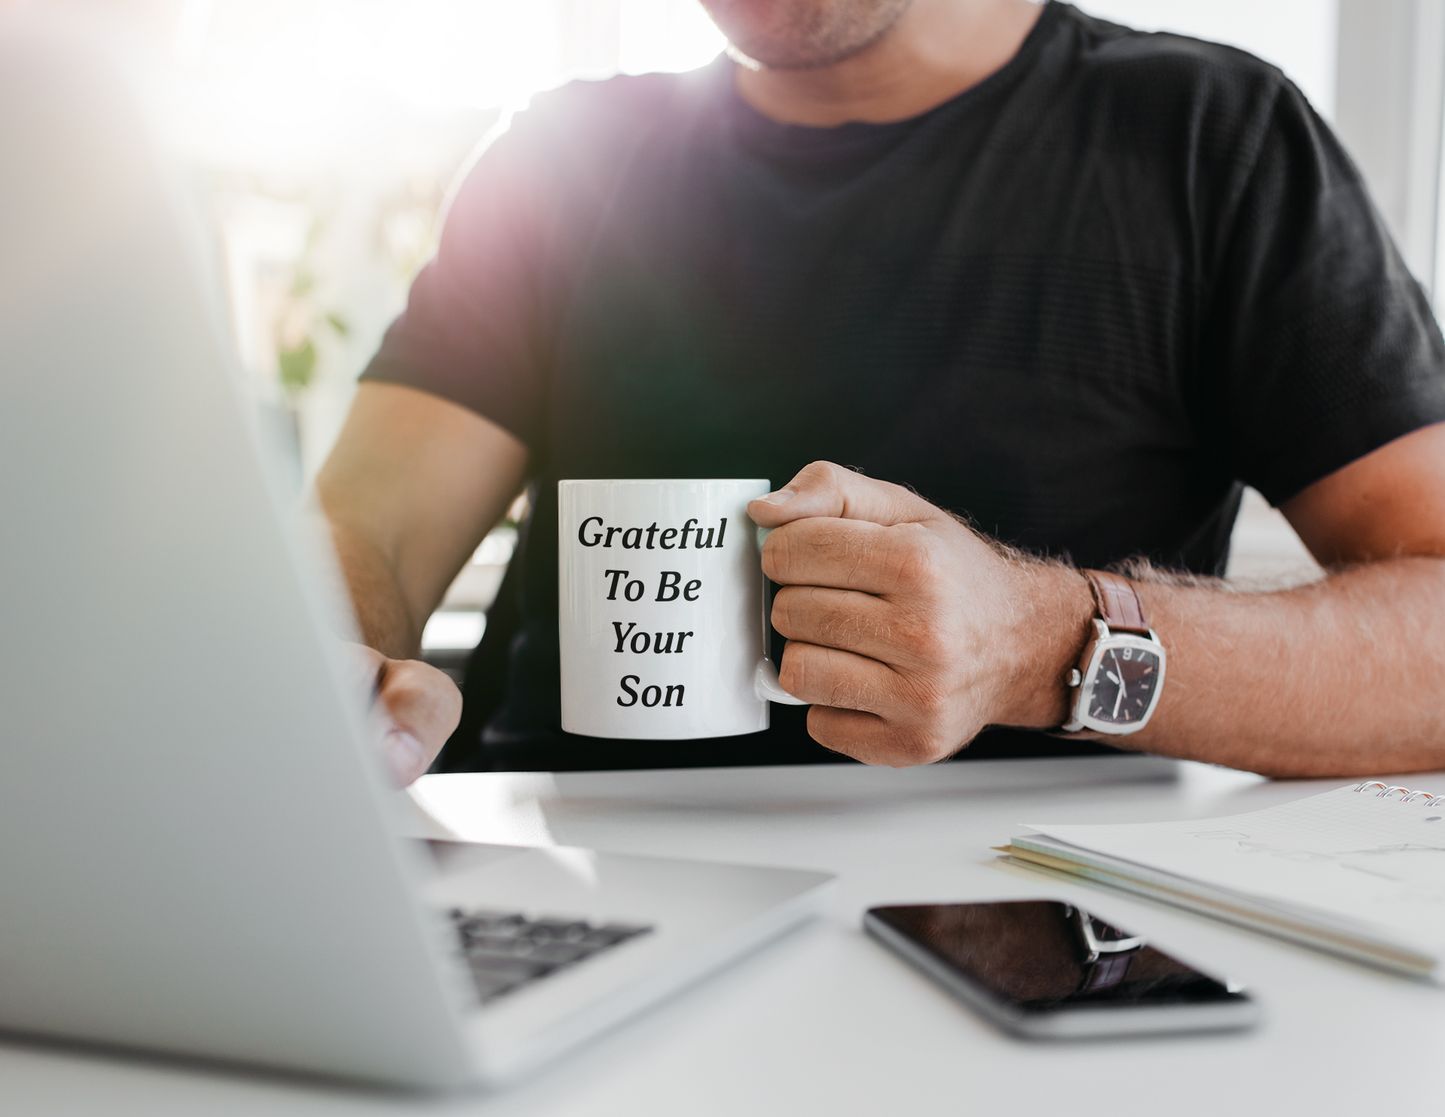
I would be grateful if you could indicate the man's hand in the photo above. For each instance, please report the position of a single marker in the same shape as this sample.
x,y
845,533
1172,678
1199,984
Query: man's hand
x,y
911,633
906,630
421,707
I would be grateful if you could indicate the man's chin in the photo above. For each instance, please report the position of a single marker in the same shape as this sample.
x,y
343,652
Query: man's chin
x,y
770,57
802,34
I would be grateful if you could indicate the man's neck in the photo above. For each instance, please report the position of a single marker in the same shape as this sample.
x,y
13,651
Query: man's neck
x,y
936,50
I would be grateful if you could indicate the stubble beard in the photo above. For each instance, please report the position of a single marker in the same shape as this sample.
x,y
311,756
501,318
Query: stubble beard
x,y
803,34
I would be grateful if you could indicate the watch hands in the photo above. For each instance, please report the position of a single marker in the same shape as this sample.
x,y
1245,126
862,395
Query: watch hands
x,y
1113,678
1120,696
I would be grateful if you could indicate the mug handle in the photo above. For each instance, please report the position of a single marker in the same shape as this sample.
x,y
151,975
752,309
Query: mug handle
x,y
765,685
765,675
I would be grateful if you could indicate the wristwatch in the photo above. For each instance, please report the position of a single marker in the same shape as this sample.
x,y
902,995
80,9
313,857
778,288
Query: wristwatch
x,y
1116,685
1107,951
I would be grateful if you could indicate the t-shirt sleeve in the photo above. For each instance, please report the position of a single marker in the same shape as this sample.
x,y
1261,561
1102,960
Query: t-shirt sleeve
x,y
1318,346
473,330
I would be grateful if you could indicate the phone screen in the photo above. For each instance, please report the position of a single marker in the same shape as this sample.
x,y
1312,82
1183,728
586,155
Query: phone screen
x,y
1035,957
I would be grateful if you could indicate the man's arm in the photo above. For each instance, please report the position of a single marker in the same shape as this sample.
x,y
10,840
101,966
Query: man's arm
x,y
410,489
911,633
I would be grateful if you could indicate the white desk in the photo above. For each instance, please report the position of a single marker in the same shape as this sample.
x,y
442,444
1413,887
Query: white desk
x,y
825,1021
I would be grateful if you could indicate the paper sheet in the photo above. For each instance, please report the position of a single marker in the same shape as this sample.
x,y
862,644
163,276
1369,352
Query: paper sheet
x,y
1375,862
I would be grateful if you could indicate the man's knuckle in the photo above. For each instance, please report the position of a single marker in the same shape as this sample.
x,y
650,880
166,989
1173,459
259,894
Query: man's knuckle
x,y
822,470
928,644
817,475
918,637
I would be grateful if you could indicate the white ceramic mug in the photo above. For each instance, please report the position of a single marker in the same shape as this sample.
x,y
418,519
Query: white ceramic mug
x,y
663,610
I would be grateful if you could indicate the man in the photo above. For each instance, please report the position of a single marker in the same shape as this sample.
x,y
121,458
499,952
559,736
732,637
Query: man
x,y
1069,281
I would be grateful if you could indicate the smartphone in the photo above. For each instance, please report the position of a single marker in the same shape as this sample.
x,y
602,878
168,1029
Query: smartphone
x,y
1050,970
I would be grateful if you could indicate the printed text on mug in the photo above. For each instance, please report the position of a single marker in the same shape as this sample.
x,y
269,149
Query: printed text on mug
x,y
621,586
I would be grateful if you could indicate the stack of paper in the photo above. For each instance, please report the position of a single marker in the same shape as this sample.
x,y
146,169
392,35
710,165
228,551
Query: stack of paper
x,y
1347,871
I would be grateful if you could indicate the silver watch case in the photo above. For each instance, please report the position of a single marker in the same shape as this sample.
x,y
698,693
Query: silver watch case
x,y
1082,682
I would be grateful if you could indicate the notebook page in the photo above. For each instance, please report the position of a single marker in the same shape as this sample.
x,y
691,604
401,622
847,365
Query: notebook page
x,y
1377,863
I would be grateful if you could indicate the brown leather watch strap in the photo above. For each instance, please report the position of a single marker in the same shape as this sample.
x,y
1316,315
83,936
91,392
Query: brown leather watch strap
x,y
1118,601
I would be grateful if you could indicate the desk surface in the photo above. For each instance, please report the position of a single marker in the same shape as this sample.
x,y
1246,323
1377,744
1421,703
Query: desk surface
x,y
825,1021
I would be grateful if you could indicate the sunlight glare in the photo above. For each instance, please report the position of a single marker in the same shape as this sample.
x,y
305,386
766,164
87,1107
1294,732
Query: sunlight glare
x,y
672,35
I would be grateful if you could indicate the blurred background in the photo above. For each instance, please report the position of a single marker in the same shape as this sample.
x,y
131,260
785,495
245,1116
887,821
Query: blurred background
x,y
325,134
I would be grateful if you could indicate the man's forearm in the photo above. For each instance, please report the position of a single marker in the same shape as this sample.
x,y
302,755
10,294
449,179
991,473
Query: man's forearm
x,y
1345,676
412,485
382,614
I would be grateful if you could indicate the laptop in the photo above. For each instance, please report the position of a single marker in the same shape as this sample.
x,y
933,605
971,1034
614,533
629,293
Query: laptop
x,y
196,853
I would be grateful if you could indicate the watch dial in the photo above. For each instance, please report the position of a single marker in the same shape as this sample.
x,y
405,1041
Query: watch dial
x,y
1124,685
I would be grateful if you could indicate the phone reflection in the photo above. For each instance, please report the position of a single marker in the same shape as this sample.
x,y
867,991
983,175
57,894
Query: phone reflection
x,y
1043,954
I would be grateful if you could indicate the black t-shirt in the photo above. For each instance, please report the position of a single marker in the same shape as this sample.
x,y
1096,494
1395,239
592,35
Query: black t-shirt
x,y
1080,303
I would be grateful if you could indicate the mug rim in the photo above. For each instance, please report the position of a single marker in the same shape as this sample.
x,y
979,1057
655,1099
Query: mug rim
x,y
664,481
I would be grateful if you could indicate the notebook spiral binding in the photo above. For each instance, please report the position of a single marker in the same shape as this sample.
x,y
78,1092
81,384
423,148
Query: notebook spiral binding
x,y
1385,791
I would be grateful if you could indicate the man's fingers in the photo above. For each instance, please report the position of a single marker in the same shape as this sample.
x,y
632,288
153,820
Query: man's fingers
x,y
865,709
850,555
829,677
858,623
850,732
825,489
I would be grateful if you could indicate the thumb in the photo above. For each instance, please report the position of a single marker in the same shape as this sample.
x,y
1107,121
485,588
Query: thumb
x,y
407,759
825,489
418,708
422,706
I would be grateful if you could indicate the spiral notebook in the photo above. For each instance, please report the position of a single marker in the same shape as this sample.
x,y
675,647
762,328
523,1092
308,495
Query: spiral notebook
x,y
1359,871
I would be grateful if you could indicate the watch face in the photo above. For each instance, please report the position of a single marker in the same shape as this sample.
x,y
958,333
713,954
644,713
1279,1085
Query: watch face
x,y
1124,685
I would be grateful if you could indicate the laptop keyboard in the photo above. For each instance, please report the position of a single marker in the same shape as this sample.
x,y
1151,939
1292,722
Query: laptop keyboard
x,y
506,950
